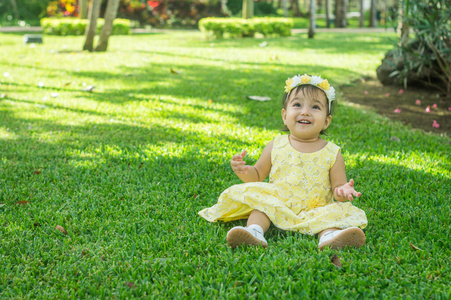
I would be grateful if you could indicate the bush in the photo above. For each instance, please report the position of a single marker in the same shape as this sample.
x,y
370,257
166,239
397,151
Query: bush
x,y
235,27
426,58
73,26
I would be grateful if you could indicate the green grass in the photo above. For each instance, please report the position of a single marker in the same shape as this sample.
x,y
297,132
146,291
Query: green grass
x,y
125,170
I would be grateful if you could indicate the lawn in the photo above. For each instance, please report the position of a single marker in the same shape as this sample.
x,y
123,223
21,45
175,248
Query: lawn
x,y
125,169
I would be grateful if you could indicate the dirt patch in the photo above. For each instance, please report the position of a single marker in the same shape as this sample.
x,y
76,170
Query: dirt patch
x,y
410,106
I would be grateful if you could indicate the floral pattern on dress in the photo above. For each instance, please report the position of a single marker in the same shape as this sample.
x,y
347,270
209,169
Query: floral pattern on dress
x,y
298,196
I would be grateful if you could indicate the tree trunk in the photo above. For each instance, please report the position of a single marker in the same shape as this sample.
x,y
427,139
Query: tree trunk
x,y
107,29
248,9
83,9
224,10
285,8
341,8
311,29
362,14
403,26
16,11
90,31
328,13
373,14
296,10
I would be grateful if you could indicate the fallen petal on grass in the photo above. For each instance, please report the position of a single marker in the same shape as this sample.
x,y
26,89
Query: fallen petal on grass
x,y
397,110
89,88
259,98
60,228
365,92
418,102
428,109
434,105
23,202
400,91
435,124
387,95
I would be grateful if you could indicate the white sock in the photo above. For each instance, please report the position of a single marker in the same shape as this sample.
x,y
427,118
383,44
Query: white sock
x,y
256,227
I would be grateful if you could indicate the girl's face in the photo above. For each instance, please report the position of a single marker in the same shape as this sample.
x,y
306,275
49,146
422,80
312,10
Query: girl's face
x,y
306,114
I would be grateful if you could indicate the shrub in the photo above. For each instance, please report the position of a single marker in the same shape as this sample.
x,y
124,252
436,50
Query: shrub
x,y
72,26
426,58
235,27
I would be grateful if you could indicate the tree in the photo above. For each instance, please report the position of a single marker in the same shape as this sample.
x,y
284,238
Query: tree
x,y
311,29
341,8
83,9
295,7
373,14
328,13
362,14
90,31
107,29
248,9
16,11
403,24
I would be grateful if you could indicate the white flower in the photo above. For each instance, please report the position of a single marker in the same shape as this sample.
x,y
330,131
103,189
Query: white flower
x,y
331,94
316,80
296,81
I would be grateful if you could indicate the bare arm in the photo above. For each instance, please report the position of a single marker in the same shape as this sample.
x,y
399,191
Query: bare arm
x,y
255,173
342,189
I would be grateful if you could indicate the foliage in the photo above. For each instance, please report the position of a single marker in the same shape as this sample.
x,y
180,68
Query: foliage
x,y
181,13
124,169
29,11
75,26
237,27
428,54
260,8
62,8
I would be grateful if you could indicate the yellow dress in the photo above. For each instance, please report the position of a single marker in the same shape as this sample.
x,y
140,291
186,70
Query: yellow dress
x,y
298,196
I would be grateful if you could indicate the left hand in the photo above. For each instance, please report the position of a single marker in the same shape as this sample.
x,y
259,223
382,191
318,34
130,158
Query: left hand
x,y
346,191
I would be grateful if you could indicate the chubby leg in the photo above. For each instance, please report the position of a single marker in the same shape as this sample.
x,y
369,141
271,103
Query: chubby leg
x,y
259,218
257,224
339,239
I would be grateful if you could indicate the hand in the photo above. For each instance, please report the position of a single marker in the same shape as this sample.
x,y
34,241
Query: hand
x,y
346,191
237,163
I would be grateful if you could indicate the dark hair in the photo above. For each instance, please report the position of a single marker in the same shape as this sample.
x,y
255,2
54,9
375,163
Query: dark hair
x,y
308,90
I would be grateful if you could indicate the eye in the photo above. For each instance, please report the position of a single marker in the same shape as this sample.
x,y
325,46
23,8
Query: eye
x,y
296,105
316,107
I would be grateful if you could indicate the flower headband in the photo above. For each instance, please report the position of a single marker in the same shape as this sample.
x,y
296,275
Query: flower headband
x,y
317,81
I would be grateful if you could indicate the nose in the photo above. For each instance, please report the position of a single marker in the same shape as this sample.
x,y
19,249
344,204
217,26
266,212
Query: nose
x,y
305,111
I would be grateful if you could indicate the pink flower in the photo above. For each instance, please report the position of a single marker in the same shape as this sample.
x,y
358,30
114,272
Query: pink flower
x,y
365,92
449,108
434,105
435,124
387,95
418,102
400,91
428,109
397,110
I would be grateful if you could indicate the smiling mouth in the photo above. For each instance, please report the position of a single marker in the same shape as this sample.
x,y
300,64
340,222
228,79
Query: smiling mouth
x,y
304,122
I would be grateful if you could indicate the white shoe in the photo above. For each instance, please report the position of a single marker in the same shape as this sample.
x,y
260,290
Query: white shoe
x,y
243,235
339,239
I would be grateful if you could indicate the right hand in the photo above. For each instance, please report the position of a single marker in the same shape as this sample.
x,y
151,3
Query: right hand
x,y
238,164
